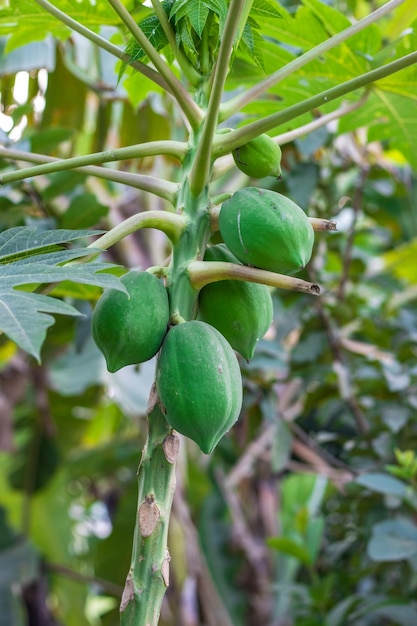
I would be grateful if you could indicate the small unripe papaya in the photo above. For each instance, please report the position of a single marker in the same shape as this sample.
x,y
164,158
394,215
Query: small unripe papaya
x,y
199,383
259,157
129,329
240,310
267,230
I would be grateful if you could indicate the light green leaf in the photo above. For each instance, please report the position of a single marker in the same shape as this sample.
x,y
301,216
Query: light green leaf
x,y
197,12
264,8
29,256
23,241
393,540
25,21
18,564
383,483
23,318
290,547
401,261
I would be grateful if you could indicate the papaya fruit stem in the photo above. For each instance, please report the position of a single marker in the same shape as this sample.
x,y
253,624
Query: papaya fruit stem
x,y
320,224
202,273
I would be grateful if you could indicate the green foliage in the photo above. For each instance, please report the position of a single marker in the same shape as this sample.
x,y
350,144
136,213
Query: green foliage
x,y
305,512
30,257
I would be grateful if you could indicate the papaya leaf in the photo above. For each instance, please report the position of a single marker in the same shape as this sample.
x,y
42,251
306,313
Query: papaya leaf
x,y
23,241
197,12
28,257
265,8
24,21
152,29
251,45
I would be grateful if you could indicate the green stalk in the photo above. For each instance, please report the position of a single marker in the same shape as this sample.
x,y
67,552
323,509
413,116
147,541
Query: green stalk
x,y
189,72
171,224
224,144
152,148
162,188
234,105
181,95
148,576
200,171
202,273
102,43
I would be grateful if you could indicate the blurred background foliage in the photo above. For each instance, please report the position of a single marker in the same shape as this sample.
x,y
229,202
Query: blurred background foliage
x,y
305,514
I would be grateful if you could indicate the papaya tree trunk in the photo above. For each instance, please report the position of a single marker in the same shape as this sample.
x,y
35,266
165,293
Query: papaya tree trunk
x,y
148,576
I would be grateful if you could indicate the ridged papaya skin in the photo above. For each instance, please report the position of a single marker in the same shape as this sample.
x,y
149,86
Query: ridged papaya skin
x,y
199,383
240,310
259,157
131,330
267,230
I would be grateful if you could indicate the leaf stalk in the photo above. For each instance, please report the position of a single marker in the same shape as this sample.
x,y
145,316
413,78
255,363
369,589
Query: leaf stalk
x,y
171,224
202,273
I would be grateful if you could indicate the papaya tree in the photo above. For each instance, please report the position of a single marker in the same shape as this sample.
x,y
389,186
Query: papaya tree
x,y
240,79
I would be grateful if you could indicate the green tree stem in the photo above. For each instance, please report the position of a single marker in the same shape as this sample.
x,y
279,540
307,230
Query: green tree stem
x,y
103,43
169,223
202,273
162,188
185,102
200,171
234,105
224,144
148,577
153,148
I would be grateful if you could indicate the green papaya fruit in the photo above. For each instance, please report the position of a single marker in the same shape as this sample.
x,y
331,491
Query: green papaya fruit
x,y
267,230
130,329
199,383
240,310
259,157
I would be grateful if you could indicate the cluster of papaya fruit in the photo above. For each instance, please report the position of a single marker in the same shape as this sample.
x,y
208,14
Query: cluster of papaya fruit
x,y
198,375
